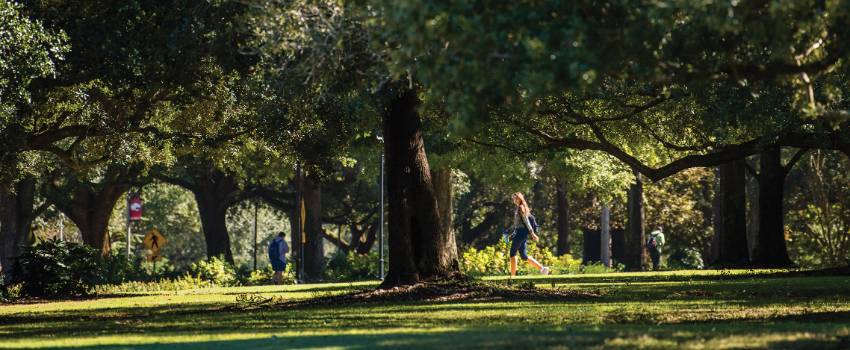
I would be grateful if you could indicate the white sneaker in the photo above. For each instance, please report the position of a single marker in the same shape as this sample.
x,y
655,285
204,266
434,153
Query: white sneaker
x,y
544,270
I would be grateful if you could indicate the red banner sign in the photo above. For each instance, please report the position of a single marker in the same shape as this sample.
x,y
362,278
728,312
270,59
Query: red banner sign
x,y
135,205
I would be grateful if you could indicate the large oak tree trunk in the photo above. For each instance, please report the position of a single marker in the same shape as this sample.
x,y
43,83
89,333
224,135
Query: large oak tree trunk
x,y
419,248
752,212
562,207
770,250
314,253
90,210
730,241
16,215
635,233
212,193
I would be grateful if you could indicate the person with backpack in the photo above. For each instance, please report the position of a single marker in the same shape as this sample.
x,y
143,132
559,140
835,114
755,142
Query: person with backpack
x,y
277,256
523,226
653,245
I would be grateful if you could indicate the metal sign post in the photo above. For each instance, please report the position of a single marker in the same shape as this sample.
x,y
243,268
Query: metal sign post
x,y
134,213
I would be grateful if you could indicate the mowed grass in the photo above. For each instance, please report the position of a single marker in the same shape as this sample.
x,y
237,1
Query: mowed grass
x,y
667,310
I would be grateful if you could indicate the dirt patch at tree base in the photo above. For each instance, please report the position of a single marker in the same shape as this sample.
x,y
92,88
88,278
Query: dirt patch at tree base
x,y
438,291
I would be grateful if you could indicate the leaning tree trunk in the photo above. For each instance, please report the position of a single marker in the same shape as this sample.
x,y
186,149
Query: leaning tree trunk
x,y
16,215
419,248
90,211
771,250
635,238
730,243
314,253
562,206
211,193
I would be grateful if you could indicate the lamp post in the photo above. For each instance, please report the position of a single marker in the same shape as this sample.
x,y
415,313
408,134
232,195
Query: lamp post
x,y
381,214
299,224
255,234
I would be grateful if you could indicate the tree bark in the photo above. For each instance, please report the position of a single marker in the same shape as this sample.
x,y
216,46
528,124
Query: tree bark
x,y
314,252
635,230
213,192
443,179
16,215
562,206
605,235
419,248
730,243
90,209
371,236
752,212
771,250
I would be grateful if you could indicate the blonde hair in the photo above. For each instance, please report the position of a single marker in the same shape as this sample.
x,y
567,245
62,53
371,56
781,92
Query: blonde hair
x,y
522,205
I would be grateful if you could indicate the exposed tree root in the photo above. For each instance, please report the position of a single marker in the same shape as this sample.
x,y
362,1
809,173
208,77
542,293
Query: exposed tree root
x,y
451,290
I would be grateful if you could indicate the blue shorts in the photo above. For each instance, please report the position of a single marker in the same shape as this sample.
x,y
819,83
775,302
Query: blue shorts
x,y
519,243
278,265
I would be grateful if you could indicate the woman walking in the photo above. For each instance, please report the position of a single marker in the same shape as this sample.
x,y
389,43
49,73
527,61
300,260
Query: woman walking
x,y
522,229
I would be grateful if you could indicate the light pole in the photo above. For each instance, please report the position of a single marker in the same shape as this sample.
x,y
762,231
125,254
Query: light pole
x,y
299,218
255,234
381,215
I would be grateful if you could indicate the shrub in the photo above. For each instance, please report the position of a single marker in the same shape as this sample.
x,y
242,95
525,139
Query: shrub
x,y
215,270
55,268
598,267
10,292
493,260
264,276
185,282
352,266
687,258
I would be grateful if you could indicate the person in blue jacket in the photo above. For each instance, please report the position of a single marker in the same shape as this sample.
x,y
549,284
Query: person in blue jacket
x,y
277,255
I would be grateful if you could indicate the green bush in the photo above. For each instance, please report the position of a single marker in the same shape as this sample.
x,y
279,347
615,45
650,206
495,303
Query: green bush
x,y
598,267
10,292
685,259
493,260
264,276
185,282
215,270
352,266
55,268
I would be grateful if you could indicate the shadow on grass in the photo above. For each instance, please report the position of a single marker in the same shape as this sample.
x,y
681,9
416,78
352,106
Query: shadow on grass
x,y
508,336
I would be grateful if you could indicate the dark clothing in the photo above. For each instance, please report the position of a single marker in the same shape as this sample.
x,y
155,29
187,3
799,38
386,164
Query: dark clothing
x,y
277,253
520,243
655,255
278,265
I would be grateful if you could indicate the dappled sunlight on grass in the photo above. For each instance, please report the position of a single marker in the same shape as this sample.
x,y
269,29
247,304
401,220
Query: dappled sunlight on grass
x,y
650,310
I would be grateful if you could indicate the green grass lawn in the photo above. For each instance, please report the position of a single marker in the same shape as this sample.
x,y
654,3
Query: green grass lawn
x,y
668,310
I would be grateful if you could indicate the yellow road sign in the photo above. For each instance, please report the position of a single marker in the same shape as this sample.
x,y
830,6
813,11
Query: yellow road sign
x,y
154,240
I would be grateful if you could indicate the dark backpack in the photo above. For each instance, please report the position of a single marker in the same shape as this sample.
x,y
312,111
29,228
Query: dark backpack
x,y
651,242
533,222
274,254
